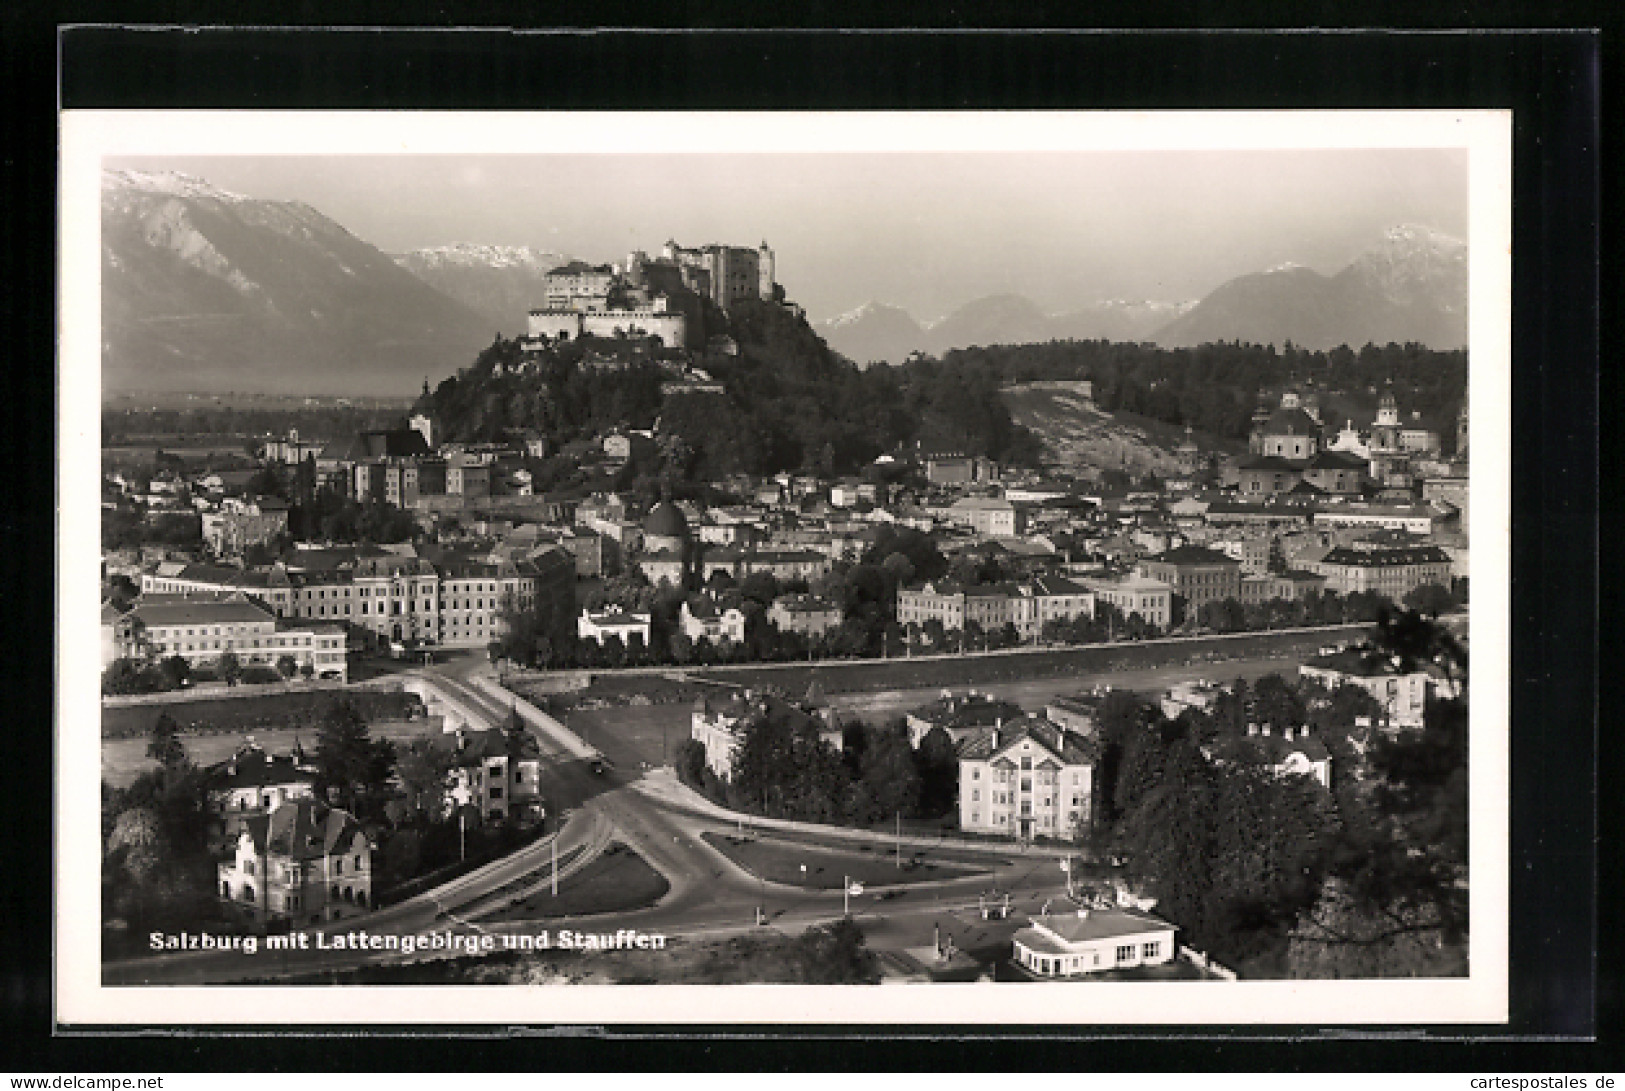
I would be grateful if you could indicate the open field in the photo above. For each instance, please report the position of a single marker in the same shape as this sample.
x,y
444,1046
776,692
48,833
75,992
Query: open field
x,y
251,712
1077,662
617,881
782,862
632,735
125,759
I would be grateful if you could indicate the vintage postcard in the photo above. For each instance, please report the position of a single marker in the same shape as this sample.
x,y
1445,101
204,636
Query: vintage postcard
x,y
706,568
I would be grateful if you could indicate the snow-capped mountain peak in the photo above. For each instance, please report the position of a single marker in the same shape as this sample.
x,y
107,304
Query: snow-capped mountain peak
x,y
859,314
486,256
170,182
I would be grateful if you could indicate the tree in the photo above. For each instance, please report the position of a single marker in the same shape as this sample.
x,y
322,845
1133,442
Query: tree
x,y
835,954
424,770
125,675
287,666
165,746
1430,600
229,668
1343,937
350,764
690,763
307,670
889,775
175,671
938,766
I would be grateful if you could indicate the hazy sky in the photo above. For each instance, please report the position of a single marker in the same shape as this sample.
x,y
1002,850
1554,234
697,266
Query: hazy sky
x,y
926,231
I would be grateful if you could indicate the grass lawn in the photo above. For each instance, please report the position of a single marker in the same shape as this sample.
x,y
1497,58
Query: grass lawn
x,y
780,861
249,711
617,881
630,734
620,689
125,759
978,670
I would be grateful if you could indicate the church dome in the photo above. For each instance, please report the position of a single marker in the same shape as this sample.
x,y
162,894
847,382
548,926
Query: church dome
x,y
665,520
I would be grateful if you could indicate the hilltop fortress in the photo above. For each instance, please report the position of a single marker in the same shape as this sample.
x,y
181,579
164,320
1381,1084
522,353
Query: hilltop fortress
x,y
659,298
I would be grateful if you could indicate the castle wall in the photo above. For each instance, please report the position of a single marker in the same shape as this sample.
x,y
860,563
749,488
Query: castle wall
x,y
672,329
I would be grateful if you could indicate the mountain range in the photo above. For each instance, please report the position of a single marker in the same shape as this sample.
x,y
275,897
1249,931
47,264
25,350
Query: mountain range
x,y
208,290
1411,286
499,283
204,290
881,332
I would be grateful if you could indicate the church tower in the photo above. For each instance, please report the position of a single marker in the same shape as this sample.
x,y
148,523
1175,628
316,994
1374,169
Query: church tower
x,y
1261,420
765,271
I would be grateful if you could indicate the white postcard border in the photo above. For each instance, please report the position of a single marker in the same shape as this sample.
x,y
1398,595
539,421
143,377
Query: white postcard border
x,y
89,136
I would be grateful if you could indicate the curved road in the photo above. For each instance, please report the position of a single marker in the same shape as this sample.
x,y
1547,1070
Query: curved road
x,y
664,823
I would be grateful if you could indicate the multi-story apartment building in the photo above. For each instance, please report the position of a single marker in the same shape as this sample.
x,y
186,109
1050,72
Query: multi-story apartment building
x,y
719,726
501,786
804,614
959,715
229,532
700,618
1197,575
303,862
956,605
1393,571
393,596
1026,779
1402,695
253,783
781,564
201,629
989,516
1136,594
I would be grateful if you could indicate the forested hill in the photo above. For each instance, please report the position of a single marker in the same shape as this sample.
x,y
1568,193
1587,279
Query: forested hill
x,y
1216,387
789,402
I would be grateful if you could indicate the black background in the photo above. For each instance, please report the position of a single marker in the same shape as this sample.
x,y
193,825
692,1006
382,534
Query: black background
x,y
1563,925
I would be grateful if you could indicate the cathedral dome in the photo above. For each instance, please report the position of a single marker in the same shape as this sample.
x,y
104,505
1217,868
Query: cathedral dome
x,y
665,520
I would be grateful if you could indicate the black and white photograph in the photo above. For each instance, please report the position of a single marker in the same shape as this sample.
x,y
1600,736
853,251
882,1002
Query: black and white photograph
x,y
626,562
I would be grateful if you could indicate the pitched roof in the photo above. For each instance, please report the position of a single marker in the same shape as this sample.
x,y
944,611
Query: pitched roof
x,y
1337,460
252,767
303,829
1192,554
1069,747
199,612
476,747
1290,422
1385,557
1270,750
